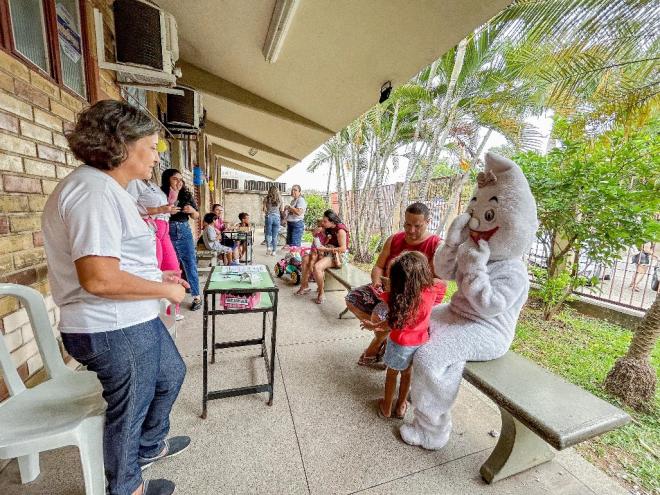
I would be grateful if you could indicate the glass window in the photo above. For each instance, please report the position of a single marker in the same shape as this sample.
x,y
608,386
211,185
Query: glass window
x,y
28,27
70,41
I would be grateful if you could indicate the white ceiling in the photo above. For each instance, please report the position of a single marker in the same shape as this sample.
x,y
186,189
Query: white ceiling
x,y
335,57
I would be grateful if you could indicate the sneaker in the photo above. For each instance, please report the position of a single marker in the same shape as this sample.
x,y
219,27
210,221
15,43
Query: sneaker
x,y
263,243
268,252
158,487
173,447
179,317
196,304
273,253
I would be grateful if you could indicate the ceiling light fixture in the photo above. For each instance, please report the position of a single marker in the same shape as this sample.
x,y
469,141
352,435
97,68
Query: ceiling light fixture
x,y
279,26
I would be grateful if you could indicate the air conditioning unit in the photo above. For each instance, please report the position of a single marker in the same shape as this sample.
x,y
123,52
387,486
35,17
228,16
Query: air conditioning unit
x,y
147,46
185,114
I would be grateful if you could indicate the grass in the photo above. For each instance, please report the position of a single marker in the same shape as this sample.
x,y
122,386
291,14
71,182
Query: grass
x,y
582,350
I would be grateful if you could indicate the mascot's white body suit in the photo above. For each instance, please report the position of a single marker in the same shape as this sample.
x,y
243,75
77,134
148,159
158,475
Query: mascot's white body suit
x,y
483,251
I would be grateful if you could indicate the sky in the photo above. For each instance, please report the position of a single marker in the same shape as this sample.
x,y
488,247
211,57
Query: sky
x,y
318,181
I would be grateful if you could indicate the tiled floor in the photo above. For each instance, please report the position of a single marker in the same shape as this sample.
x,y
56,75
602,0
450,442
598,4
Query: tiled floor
x,y
322,434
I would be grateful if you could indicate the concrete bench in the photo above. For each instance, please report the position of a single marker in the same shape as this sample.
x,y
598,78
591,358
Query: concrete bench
x,y
348,277
207,255
538,409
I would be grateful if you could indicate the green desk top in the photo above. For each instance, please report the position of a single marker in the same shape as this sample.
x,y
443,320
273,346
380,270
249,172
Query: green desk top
x,y
227,278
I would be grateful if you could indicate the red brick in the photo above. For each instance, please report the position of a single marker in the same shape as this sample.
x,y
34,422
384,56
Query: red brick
x,y
13,183
24,277
31,94
53,154
4,225
8,122
38,238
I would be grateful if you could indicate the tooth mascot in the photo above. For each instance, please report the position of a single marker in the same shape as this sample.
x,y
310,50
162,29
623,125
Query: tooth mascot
x,y
483,252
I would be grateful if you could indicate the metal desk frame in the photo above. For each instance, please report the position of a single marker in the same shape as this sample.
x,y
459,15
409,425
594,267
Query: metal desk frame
x,y
213,311
242,235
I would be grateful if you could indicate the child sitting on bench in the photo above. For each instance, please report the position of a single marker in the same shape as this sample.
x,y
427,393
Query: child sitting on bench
x,y
213,243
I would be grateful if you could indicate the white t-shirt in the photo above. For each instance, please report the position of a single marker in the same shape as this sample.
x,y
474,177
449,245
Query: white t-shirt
x,y
297,203
90,214
148,196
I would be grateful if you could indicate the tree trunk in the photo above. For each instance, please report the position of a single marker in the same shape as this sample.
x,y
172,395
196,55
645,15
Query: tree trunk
x,y
446,108
327,189
633,378
412,165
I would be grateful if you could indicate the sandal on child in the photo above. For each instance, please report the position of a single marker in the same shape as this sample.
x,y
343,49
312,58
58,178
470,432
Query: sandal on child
x,y
320,299
381,414
302,292
401,416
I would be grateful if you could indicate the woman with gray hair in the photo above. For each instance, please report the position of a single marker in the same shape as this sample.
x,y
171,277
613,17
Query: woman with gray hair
x,y
104,277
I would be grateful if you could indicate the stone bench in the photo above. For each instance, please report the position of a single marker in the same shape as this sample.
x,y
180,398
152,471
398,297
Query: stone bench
x,y
206,255
348,277
539,410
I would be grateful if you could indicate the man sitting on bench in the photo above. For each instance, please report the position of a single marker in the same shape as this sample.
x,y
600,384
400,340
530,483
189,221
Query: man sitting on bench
x,y
361,301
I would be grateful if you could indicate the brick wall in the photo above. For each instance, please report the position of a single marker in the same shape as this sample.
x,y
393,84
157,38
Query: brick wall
x,y
34,114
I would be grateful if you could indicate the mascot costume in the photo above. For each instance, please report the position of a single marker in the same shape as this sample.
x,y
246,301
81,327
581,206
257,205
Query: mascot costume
x,y
483,252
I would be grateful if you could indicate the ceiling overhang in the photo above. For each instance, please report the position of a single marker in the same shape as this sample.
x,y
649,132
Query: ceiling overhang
x,y
265,117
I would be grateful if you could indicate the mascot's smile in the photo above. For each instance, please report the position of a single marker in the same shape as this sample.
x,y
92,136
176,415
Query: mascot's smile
x,y
476,235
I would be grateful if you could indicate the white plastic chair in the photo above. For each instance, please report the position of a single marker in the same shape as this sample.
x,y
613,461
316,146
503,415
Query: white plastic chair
x,y
169,320
67,409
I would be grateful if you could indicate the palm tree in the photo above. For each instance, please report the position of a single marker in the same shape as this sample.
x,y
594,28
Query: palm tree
x,y
633,378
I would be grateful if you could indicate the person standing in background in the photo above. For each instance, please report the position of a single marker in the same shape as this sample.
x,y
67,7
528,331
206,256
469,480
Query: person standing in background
x,y
180,233
295,219
272,209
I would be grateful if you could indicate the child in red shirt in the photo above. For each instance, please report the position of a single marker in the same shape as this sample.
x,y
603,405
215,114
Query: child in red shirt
x,y
406,310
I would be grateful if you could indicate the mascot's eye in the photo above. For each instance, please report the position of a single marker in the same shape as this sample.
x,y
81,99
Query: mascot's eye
x,y
489,216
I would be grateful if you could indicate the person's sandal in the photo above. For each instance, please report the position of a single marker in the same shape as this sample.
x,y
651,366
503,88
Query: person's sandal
x,y
379,409
302,292
401,416
320,299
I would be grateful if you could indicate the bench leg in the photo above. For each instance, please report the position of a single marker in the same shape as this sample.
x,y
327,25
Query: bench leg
x,y
518,449
330,284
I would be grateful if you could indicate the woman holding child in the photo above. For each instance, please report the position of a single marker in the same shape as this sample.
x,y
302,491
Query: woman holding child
x,y
331,253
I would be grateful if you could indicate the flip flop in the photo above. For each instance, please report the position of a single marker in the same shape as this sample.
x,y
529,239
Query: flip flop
x,y
302,292
380,411
405,409
320,299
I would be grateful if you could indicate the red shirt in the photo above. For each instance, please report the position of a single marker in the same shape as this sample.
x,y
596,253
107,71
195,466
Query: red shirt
x,y
416,332
399,245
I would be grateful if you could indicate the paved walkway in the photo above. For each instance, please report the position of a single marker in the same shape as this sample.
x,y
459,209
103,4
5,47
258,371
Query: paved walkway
x,y
322,434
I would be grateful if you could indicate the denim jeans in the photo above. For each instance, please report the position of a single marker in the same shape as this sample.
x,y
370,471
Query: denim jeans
x,y
294,233
141,372
182,240
272,231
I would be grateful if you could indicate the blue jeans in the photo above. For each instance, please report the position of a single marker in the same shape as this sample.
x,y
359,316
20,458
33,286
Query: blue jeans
x,y
294,233
141,372
272,230
182,240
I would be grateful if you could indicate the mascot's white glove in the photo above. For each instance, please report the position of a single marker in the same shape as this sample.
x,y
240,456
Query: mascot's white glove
x,y
458,231
444,261
473,257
